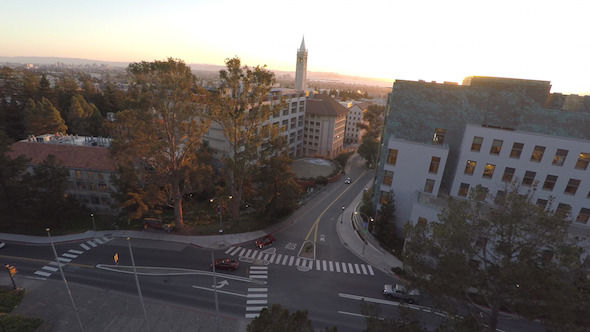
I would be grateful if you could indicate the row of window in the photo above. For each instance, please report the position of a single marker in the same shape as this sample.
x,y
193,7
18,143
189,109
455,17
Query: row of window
x,y
434,161
583,215
528,179
91,175
537,155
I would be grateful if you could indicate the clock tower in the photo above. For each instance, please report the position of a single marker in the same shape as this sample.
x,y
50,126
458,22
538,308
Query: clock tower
x,y
301,68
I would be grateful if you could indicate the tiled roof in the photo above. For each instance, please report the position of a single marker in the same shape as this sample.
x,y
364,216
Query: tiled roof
x,y
323,104
68,156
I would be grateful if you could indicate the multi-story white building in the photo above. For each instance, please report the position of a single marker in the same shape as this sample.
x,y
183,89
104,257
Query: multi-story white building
x,y
290,121
325,121
442,140
86,159
353,133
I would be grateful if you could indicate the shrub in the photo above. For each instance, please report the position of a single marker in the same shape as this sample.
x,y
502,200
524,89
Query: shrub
x,y
321,180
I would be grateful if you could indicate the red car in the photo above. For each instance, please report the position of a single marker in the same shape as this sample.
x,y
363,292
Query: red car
x,y
267,240
225,264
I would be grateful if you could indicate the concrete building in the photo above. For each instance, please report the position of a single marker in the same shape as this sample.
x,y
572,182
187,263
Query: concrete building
x,y
487,131
85,158
301,68
353,134
325,122
290,121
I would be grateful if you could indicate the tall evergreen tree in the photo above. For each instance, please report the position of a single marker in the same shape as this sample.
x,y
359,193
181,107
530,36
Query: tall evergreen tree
x,y
43,118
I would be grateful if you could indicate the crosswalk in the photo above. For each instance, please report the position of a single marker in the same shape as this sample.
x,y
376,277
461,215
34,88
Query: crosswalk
x,y
308,264
257,297
47,270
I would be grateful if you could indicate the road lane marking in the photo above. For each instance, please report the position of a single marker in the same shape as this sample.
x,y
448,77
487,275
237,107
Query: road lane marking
x,y
66,260
252,315
77,252
285,259
331,266
364,269
317,265
65,254
350,268
99,241
49,268
370,270
258,289
85,247
291,261
41,273
256,302
344,268
324,265
337,267
258,267
219,291
255,295
356,268
92,244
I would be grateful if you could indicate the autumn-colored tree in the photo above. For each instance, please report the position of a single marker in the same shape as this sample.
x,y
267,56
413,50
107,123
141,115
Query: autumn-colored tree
x,y
161,138
242,109
43,118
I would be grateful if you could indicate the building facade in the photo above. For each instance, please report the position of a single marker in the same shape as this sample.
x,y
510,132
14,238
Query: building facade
x,y
494,131
87,161
325,122
353,133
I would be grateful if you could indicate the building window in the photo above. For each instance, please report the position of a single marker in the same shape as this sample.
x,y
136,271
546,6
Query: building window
x,y
542,203
482,194
470,167
387,178
392,157
508,174
583,160
538,153
516,150
384,197
434,162
476,145
439,136
463,190
559,157
429,186
78,174
496,146
500,197
563,209
583,216
92,186
488,171
550,182
572,187
529,178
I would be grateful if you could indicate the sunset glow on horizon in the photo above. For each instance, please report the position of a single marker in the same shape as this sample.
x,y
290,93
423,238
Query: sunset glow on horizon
x,y
431,40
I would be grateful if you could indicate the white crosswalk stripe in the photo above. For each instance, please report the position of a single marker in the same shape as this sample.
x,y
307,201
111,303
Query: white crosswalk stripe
x,y
85,247
43,274
77,252
99,241
49,268
320,265
65,254
257,297
92,244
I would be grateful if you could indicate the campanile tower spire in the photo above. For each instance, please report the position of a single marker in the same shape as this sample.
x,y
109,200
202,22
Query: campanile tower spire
x,y
301,68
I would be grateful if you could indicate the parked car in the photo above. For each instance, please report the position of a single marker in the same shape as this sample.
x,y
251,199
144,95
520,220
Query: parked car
x,y
347,181
153,223
267,240
225,264
400,292
2,244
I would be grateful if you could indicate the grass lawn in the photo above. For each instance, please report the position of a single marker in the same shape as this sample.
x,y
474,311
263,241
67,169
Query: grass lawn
x,y
9,299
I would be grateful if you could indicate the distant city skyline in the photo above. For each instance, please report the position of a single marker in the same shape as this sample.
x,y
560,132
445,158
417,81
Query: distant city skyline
x,y
389,39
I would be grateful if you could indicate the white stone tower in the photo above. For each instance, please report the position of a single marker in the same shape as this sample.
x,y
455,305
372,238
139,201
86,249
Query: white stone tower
x,y
301,68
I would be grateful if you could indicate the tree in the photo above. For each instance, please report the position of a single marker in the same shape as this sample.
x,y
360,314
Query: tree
x,y
277,192
43,118
161,138
505,253
368,149
242,109
385,224
83,117
279,319
406,322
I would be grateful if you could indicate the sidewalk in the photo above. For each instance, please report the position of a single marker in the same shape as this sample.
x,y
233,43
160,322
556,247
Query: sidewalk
x,y
104,310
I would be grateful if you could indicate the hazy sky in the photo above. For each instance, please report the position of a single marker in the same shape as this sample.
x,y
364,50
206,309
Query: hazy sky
x,y
438,40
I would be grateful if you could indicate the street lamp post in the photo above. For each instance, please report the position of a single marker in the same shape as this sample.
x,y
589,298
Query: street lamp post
x,y
342,215
63,276
93,224
366,226
147,325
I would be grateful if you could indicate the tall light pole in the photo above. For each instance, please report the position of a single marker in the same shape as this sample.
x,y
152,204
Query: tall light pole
x,y
342,215
137,284
63,276
365,226
93,224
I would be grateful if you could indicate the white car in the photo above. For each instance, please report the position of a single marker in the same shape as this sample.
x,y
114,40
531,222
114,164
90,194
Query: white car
x,y
401,292
1,244
347,181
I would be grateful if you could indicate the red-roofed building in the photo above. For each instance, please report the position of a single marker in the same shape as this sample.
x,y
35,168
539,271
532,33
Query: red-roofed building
x,y
325,121
88,162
